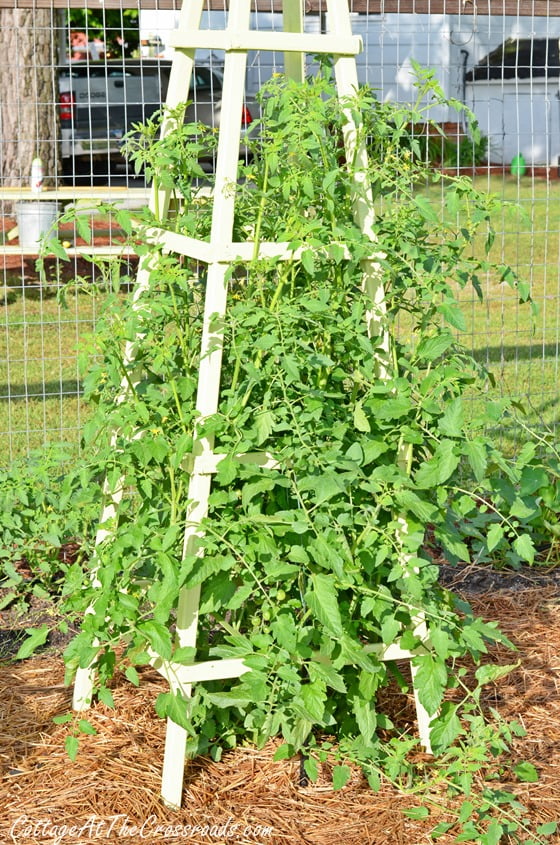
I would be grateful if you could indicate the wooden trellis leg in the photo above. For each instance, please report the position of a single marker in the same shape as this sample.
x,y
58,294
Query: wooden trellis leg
x,y
181,71
210,366
347,86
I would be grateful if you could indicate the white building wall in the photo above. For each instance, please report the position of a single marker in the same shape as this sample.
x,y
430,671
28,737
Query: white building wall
x,y
516,115
519,116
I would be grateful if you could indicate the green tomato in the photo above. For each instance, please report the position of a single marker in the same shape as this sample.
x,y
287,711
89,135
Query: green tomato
x,y
281,595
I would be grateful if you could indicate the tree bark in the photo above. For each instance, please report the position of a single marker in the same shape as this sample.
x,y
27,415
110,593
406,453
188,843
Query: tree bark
x,y
28,95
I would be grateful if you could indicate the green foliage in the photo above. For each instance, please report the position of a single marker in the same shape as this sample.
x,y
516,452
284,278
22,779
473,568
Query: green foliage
x,y
300,566
432,145
47,506
528,491
112,25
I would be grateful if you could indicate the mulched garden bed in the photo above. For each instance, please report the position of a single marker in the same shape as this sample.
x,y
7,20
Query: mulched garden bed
x,y
111,792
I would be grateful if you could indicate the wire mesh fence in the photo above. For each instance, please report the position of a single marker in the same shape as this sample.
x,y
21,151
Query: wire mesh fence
x,y
75,80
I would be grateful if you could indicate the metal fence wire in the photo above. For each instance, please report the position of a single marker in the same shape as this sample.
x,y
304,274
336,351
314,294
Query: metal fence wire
x,y
73,80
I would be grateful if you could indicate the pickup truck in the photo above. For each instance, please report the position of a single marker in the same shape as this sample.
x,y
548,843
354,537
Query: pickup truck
x,y
99,101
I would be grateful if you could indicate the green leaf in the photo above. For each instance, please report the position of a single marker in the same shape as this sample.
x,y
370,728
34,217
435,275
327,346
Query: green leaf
x,y
299,732
298,555
176,708
475,452
311,767
7,599
366,719
470,833
227,470
326,555
441,641
71,745
547,829
285,631
446,728
361,422
353,653
264,424
393,409
526,772
494,833
426,209
252,489
158,636
54,246
440,467
494,536
452,422
37,637
340,776
63,719
430,681
525,548
441,829
432,348
308,261
532,479
124,220
313,698
466,811
184,654
106,696
521,510
322,600
131,675
86,727
410,501
170,537
307,187
83,225
230,699
453,315
283,752
328,674
390,627
417,813
327,485
374,781
488,673
355,453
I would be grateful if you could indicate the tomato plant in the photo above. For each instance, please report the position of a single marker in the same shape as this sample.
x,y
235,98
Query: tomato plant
x,y
303,564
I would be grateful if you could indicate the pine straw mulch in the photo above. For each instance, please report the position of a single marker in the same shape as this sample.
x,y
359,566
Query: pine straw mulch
x,y
114,783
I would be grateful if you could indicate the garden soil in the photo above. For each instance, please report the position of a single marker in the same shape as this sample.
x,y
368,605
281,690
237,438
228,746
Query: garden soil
x,y
110,794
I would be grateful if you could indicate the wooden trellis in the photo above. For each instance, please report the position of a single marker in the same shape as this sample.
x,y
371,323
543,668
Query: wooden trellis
x,y
218,253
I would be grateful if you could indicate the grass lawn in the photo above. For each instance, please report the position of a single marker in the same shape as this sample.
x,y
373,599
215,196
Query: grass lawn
x,y
520,349
40,397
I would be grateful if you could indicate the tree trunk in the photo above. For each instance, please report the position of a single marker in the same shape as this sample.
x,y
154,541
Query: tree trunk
x,y
28,95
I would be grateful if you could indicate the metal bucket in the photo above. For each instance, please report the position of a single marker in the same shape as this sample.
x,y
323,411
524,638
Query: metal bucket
x,y
34,219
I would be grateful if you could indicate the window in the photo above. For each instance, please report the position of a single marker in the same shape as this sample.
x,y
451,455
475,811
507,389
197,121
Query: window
x,y
519,58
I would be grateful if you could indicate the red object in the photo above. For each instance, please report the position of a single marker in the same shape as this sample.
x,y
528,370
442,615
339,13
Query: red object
x,y
67,106
246,117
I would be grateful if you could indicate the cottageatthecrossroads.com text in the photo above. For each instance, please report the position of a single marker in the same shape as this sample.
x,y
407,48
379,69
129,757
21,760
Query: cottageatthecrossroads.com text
x,y
120,828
